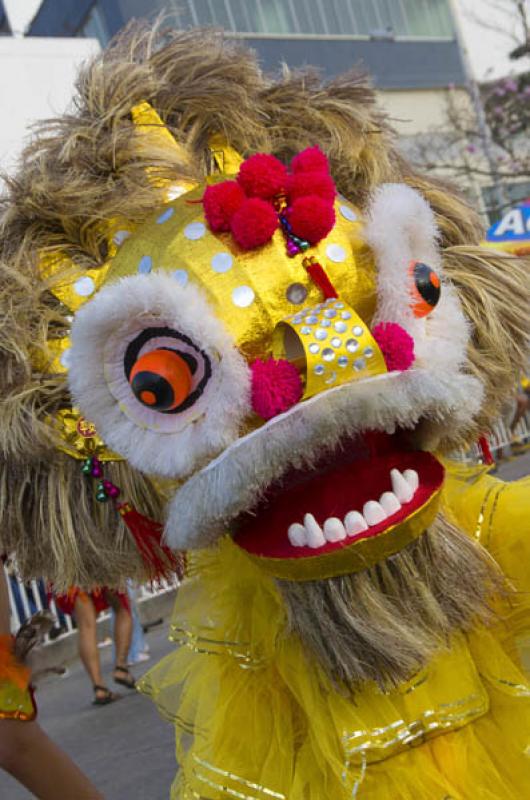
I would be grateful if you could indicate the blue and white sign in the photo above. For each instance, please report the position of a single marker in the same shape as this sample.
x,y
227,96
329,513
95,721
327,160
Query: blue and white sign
x,y
512,232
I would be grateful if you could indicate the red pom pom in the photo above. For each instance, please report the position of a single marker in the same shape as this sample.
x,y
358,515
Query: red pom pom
x,y
304,183
312,159
262,176
221,201
311,218
276,386
396,345
254,223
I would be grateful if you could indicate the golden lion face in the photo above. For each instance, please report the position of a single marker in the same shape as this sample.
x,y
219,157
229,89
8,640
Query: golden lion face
x,y
240,370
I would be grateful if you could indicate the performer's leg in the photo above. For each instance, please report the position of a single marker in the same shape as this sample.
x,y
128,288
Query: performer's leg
x,y
85,615
122,629
37,763
122,638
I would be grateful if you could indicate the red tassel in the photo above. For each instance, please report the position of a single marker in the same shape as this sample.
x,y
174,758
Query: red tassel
x,y
162,562
319,277
486,451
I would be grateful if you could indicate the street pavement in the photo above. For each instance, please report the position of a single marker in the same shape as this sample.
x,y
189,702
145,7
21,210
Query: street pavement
x,y
126,748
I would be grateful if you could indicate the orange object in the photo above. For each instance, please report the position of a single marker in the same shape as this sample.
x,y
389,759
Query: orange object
x,y
161,379
425,288
16,695
10,669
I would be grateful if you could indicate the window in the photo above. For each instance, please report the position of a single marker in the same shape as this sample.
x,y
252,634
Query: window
x,y
417,18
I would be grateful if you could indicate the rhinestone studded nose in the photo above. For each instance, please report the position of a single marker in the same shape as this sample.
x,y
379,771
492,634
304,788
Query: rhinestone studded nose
x,y
329,344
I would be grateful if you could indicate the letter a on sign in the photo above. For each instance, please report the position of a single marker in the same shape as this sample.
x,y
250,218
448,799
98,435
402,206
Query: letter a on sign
x,y
512,222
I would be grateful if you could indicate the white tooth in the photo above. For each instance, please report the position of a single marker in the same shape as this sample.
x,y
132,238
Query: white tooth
x,y
297,535
390,503
412,478
355,523
373,512
400,487
315,536
334,530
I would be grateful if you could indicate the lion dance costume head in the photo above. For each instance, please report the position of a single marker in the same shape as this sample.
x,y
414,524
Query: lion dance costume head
x,y
234,292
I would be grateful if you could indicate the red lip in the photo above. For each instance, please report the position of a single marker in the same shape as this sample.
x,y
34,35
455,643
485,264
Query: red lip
x,y
341,483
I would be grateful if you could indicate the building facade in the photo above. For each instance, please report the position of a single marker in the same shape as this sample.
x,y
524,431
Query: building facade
x,y
407,46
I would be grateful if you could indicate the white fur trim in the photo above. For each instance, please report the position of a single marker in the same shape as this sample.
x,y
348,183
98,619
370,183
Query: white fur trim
x,y
171,445
401,228
203,507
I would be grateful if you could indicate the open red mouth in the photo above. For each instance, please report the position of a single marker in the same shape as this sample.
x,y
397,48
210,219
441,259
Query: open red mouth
x,y
370,487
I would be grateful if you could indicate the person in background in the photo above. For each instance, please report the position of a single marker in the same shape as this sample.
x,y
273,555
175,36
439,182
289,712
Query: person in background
x,y
85,608
26,751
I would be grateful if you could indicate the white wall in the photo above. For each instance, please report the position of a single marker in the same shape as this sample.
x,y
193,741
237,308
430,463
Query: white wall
x,y
489,32
36,80
414,111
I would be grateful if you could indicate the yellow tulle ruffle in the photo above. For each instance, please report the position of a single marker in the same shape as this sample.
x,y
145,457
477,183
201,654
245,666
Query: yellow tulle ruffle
x,y
256,719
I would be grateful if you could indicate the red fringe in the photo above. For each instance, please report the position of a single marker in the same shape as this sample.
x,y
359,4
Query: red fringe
x,y
162,562
319,277
486,451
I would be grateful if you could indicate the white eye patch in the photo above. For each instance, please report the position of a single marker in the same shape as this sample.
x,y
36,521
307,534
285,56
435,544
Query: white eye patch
x,y
140,316
401,230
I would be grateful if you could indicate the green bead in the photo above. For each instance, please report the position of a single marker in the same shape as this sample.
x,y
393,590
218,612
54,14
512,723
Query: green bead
x,y
304,246
86,469
101,497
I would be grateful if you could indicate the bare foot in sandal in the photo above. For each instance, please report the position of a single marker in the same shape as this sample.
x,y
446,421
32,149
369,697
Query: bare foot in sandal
x,y
103,696
123,676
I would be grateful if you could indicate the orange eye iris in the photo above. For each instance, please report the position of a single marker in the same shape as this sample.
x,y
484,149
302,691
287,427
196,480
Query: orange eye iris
x,y
426,288
161,380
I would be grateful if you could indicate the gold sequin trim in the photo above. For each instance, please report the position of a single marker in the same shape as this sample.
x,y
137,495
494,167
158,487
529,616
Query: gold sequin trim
x,y
237,779
359,780
520,689
481,535
215,647
401,733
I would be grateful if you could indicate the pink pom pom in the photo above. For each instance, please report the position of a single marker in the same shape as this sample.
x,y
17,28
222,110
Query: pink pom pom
x,y
254,223
276,386
221,201
262,176
396,345
304,183
312,159
311,218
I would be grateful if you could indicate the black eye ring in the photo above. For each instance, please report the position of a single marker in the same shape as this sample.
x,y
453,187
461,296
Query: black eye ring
x,y
426,288
134,348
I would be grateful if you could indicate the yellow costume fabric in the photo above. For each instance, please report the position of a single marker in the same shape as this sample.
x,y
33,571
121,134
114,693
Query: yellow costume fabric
x,y
255,718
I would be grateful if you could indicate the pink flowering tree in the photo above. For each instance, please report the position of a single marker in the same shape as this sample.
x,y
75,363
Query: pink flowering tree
x,y
497,152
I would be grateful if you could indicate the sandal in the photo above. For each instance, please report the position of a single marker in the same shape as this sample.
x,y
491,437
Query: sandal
x,y
105,697
128,681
